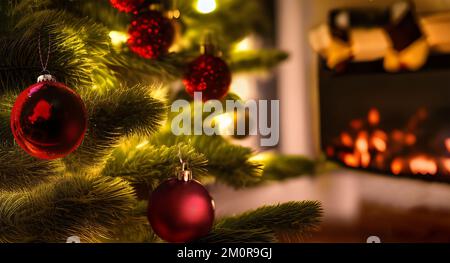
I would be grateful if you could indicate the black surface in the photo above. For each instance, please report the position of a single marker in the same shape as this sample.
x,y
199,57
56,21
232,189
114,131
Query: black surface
x,y
168,252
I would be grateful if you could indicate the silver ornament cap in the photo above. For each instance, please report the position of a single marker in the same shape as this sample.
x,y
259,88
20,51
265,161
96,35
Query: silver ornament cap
x,y
46,77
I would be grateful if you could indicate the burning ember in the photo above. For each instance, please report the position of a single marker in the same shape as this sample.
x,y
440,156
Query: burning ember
x,y
373,117
397,166
366,145
446,164
423,165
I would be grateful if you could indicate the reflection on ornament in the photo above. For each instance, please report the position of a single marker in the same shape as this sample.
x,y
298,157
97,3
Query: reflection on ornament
x,y
48,120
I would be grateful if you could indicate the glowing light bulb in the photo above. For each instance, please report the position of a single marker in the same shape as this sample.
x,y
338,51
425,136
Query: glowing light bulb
x,y
244,45
118,38
225,123
206,6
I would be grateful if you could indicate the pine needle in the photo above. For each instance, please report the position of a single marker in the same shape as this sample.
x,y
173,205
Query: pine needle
x,y
81,205
293,217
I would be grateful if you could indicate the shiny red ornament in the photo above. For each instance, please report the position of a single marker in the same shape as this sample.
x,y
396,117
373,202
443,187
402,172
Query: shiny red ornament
x,y
48,120
181,211
126,6
151,35
209,75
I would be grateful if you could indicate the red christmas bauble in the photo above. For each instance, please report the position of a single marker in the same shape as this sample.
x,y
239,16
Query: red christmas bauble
x,y
48,120
126,5
209,75
151,35
181,211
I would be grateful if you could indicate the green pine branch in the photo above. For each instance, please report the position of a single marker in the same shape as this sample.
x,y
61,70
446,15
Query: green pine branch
x,y
99,10
77,50
291,217
139,162
113,115
5,120
136,228
97,64
253,60
238,166
133,230
262,225
229,163
18,169
133,69
280,167
80,205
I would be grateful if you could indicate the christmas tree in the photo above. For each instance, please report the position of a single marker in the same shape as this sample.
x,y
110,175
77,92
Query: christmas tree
x,y
100,189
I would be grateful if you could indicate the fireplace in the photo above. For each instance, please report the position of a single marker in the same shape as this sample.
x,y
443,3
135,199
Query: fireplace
x,y
397,124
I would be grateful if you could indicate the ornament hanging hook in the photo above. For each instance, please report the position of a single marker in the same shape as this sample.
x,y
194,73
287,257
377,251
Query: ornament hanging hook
x,y
179,154
44,64
45,74
185,174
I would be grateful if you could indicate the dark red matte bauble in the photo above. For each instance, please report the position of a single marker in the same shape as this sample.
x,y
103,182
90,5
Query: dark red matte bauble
x,y
126,5
181,211
151,35
209,75
48,120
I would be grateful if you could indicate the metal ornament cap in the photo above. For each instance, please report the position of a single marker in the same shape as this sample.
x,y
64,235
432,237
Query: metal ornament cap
x,y
46,77
185,174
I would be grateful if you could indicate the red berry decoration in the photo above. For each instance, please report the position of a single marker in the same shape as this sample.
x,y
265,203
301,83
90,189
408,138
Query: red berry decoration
x,y
181,210
48,120
209,75
126,6
151,35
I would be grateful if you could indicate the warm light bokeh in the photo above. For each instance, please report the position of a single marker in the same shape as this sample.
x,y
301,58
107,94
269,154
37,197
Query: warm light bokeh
x,y
206,6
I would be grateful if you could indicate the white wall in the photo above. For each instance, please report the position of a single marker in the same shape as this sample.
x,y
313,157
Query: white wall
x,y
295,77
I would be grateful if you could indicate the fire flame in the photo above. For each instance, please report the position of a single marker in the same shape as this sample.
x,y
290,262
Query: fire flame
x,y
362,144
346,139
373,117
423,165
365,145
365,159
410,139
378,140
397,166
350,160
446,164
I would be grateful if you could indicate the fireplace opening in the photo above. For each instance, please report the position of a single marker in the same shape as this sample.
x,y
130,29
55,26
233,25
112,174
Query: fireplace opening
x,y
394,124
407,149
